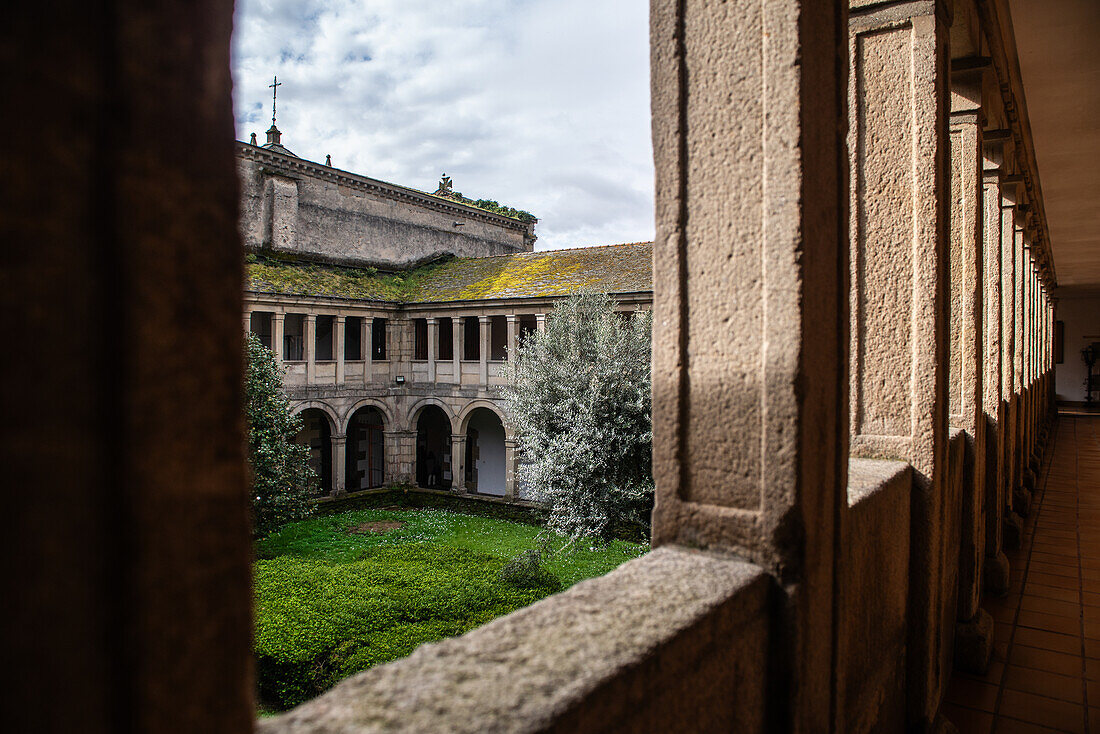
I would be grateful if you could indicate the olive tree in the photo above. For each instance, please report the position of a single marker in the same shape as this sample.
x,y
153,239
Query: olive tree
x,y
579,401
282,479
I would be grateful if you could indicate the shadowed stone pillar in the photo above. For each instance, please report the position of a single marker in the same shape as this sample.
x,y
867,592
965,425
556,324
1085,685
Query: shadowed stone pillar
x,y
1021,497
1013,524
511,461
483,351
540,322
311,347
433,335
457,328
366,339
899,289
339,464
974,634
338,325
400,452
995,574
247,322
750,319
277,338
458,462
511,336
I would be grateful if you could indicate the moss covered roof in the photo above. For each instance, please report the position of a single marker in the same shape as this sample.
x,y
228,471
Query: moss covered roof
x,y
612,268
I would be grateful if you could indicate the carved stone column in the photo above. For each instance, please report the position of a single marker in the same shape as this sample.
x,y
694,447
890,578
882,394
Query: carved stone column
x,y
277,320
339,322
366,338
511,336
483,351
1013,524
310,347
457,329
898,91
433,332
339,464
996,570
748,372
974,633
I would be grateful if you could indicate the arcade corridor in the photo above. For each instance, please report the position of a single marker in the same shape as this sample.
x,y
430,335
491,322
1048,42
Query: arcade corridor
x,y
1045,674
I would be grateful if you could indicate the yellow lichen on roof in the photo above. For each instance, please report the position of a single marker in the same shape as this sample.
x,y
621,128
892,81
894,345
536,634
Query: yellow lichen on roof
x,y
611,268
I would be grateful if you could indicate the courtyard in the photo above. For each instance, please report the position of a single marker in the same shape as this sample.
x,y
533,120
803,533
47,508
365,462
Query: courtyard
x,y
340,593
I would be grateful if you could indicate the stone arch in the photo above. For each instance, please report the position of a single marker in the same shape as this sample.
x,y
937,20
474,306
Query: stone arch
x,y
414,412
364,464
335,425
433,428
318,428
375,403
485,443
470,407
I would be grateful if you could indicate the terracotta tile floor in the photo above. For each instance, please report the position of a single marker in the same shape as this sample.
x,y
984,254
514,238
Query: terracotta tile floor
x,y
1045,674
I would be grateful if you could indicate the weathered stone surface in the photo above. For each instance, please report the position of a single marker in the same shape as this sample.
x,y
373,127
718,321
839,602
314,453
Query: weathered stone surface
x,y
974,643
872,627
596,657
298,207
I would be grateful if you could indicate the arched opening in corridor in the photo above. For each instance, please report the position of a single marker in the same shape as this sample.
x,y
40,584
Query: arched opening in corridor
x,y
485,453
366,459
317,434
433,449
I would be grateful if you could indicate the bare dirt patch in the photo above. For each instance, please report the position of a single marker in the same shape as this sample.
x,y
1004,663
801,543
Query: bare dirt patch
x,y
376,528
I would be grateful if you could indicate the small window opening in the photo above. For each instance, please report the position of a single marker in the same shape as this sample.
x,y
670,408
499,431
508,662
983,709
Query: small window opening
x,y
353,339
378,339
260,325
325,327
446,330
471,338
420,339
498,338
294,337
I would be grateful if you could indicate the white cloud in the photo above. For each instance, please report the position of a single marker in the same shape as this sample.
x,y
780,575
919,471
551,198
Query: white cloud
x,y
540,104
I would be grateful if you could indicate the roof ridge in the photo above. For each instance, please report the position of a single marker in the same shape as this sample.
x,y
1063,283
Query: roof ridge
x,y
560,249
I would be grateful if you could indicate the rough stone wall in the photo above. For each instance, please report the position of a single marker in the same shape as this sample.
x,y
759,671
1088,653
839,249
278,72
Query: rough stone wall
x,y
302,208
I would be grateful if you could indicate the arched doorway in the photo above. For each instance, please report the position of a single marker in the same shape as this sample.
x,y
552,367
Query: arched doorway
x,y
433,449
366,459
485,453
317,434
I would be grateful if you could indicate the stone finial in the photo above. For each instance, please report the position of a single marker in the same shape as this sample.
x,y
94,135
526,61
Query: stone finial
x,y
274,137
445,186
328,160
252,140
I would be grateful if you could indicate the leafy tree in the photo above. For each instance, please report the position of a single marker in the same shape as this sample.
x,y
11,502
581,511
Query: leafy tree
x,y
580,402
282,479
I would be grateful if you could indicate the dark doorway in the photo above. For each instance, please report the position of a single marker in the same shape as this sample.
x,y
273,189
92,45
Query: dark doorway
x,y
366,458
317,434
433,449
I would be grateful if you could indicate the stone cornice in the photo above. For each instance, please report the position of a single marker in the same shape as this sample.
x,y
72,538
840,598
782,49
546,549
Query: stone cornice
x,y
296,167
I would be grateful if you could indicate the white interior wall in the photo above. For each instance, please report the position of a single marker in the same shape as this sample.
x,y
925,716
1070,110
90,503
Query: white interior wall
x,y
1082,327
490,443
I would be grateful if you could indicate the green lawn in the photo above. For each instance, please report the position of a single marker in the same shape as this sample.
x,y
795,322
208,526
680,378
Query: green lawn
x,y
331,602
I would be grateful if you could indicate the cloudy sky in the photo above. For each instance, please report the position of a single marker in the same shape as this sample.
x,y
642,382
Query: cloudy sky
x,y
542,105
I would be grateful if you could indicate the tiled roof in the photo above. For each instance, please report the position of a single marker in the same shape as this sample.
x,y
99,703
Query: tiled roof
x,y
612,268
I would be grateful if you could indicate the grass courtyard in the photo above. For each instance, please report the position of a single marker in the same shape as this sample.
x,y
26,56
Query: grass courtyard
x,y
340,593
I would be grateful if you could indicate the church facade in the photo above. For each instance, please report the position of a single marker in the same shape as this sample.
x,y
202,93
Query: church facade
x,y
393,312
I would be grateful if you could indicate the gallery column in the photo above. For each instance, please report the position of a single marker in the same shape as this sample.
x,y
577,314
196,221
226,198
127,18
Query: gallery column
x,y
483,351
458,326
898,91
339,461
338,325
366,339
310,347
433,334
277,320
974,633
749,363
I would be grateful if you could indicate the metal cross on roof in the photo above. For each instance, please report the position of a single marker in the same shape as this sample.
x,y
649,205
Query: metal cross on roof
x,y
274,92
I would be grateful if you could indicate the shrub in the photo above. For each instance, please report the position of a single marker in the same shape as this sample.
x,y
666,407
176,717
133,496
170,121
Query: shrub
x,y
282,480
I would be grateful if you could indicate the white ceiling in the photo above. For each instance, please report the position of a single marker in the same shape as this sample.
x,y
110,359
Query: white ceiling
x,y
1058,43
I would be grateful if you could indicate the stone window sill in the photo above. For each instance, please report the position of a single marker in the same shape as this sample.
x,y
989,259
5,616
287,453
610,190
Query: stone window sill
x,y
602,652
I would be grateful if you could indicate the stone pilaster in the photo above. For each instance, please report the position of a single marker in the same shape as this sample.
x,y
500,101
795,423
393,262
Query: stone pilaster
x,y
400,452
898,96
339,464
277,346
540,322
749,363
483,350
247,322
974,640
511,336
511,466
996,570
433,335
339,323
457,326
310,347
367,340
458,462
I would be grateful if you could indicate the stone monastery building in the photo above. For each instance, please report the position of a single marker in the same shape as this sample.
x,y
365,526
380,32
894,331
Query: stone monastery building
x,y
393,312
